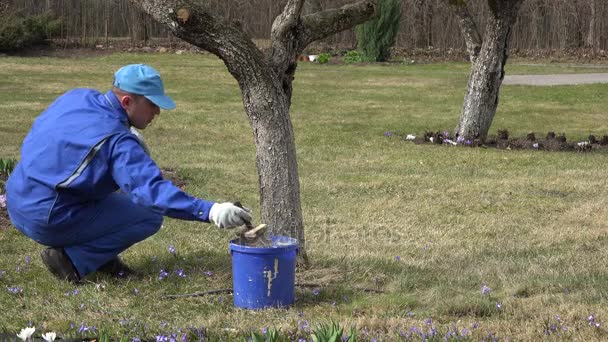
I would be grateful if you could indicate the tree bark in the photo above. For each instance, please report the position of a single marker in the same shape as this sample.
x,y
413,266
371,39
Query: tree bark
x,y
487,72
266,86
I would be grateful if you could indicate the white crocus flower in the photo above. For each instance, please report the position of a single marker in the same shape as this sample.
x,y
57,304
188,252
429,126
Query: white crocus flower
x,y
49,336
26,333
410,137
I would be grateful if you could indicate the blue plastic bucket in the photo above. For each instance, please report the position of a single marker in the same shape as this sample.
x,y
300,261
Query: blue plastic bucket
x,y
264,277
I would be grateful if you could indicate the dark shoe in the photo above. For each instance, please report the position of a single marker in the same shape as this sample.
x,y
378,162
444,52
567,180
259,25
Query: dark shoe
x,y
117,268
59,264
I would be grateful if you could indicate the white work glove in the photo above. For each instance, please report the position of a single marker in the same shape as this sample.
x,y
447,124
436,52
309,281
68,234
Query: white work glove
x,y
228,215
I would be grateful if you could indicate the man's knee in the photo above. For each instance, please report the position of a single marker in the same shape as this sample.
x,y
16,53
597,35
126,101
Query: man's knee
x,y
153,224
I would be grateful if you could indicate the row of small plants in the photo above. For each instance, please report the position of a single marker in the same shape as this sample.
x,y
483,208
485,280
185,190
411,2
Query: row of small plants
x,y
551,141
325,332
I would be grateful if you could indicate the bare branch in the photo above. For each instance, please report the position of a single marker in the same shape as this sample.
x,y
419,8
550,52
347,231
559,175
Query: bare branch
x,y
325,23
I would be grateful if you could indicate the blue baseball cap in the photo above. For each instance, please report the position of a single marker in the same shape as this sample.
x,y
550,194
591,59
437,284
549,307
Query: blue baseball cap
x,y
142,79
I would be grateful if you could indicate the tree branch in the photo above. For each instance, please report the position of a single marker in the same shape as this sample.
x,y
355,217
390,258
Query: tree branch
x,y
468,28
283,35
190,22
325,23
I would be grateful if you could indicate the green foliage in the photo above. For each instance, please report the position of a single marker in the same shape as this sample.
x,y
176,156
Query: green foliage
x,y
18,31
352,57
272,335
323,58
377,36
7,166
332,333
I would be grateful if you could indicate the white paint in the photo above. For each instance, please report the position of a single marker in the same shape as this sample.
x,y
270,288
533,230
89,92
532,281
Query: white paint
x,y
268,274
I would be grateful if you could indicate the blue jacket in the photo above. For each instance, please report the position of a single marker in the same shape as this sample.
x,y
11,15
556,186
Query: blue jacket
x,y
79,151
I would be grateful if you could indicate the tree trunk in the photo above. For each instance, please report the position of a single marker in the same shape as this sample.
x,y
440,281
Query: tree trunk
x,y
139,32
83,22
266,85
419,34
487,72
106,27
593,36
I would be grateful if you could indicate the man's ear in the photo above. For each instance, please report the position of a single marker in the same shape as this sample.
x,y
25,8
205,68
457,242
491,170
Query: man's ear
x,y
126,101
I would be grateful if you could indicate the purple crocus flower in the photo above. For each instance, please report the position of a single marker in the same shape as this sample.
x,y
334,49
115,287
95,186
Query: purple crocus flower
x,y
498,305
172,249
180,273
397,258
415,330
208,273
15,289
485,290
162,275
429,321
460,139
468,142
315,292
387,134
27,259
83,328
2,201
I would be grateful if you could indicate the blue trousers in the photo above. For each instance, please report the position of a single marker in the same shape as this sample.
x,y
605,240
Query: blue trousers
x,y
116,224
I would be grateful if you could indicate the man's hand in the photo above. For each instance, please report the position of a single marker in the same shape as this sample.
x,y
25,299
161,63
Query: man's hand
x,y
228,215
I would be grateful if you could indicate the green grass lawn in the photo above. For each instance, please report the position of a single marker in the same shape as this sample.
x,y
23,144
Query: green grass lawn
x,y
427,225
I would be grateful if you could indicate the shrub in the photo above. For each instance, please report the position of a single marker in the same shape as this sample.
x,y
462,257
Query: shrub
x,y
18,31
377,36
323,58
353,57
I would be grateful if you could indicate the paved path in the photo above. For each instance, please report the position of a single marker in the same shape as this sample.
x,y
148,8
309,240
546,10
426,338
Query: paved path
x,y
560,79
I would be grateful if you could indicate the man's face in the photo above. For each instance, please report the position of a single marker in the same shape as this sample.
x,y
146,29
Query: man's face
x,y
140,110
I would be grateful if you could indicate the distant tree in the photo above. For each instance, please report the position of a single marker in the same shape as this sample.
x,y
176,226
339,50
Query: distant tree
x,y
265,79
376,37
